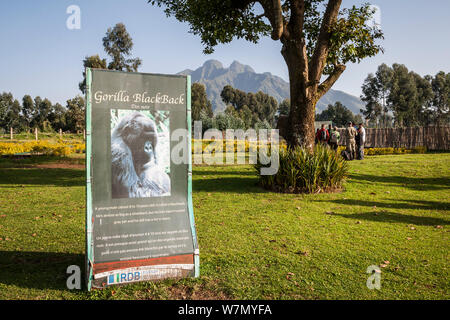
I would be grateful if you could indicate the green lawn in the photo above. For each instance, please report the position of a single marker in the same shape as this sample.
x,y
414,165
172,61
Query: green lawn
x,y
254,244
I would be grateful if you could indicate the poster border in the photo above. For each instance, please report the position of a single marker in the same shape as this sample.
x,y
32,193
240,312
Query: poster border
x,y
189,195
88,123
89,243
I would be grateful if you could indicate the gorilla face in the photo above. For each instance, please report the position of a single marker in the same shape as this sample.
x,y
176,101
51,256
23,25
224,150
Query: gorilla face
x,y
149,151
135,129
140,135
134,167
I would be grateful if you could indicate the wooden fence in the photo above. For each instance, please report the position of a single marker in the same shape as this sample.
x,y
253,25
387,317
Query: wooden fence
x,y
434,138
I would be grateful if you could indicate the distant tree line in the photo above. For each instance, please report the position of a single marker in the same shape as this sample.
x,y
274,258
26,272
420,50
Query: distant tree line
x,y
47,117
339,114
244,109
395,96
28,114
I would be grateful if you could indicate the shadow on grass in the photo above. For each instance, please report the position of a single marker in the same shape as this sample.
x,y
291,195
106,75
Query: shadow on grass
x,y
408,182
38,270
28,161
394,204
225,172
228,184
42,176
390,217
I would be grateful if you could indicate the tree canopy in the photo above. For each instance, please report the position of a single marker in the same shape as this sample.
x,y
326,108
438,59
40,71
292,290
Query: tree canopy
x,y
252,108
339,114
118,44
318,39
396,93
199,101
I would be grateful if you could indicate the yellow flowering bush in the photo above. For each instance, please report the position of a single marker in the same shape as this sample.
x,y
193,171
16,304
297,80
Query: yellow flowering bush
x,y
66,148
60,148
230,146
385,151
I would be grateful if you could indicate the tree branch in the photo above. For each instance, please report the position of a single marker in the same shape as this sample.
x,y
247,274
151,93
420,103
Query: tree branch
x,y
297,18
328,82
320,54
273,12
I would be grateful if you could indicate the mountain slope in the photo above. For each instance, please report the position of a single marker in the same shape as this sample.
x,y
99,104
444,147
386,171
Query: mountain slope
x,y
214,76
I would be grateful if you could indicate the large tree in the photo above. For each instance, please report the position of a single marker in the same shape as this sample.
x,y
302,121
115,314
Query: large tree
x,y
371,96
6,101
28,109
118,44
94,62
200,101
75,115
403,96
376,89
10,110
441,102
318,39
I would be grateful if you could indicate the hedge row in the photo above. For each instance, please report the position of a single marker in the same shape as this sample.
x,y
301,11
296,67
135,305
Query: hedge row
x,y
65,148
45,147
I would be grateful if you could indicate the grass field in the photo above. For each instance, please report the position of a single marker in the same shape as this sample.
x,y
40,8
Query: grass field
x,y
254,244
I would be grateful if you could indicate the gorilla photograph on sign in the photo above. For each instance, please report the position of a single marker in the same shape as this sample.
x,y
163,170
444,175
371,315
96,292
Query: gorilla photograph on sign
x,y
140,154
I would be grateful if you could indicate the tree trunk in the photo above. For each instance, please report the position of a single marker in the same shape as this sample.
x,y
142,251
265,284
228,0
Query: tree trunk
x,y
301,120
300,124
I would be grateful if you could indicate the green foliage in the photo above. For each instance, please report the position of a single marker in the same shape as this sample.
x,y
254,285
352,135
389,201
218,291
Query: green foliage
x,y
217,21
57,117
339,114
6,101
440,84
317,39
411,99
284,108
118,45
353,37
302,171
252,108
94,62
75,116
200,102
28,110
43,108
224,121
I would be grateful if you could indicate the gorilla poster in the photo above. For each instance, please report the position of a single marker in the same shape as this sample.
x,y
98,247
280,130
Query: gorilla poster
x,y
139,212
140,151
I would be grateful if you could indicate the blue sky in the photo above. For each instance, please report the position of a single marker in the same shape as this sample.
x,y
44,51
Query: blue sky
x,y
40,56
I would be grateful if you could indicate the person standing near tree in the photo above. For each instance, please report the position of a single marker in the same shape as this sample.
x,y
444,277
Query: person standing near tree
x,y
330,128
317,136
323,135
334,138
350,134
362,140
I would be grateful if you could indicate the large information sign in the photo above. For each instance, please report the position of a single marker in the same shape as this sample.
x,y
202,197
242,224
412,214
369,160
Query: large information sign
x,y
139,221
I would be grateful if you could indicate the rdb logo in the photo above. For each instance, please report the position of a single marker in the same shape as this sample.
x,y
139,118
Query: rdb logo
x,y
124,277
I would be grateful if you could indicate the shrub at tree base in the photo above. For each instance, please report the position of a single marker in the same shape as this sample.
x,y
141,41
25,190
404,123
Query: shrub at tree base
x,y
301,171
